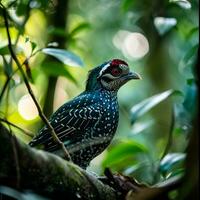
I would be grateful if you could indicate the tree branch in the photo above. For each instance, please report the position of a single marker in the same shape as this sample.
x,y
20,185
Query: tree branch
x,y
25,168
46,173
26,132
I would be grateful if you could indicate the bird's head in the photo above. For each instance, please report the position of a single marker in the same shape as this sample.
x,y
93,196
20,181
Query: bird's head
x,y
110,75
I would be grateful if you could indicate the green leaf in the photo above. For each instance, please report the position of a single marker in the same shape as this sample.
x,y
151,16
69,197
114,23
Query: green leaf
x,y
122,151
7,67
12,4
57,69
64,56
171,162
189,59
146,105
193,31
191,98
79,28
139,127
27,39
163,25
126,4
182,3
33,46
4,50
22,7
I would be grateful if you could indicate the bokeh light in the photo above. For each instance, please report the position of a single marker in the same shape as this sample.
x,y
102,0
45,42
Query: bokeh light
x,y
133,45
27,108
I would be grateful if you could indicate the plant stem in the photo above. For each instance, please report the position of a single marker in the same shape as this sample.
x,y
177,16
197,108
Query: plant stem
x,y
28,133
4,87
41,114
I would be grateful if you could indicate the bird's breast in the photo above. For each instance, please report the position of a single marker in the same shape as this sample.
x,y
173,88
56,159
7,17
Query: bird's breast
x,y
110,115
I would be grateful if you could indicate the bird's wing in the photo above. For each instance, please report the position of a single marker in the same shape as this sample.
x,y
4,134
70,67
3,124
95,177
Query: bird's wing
x,y
69,120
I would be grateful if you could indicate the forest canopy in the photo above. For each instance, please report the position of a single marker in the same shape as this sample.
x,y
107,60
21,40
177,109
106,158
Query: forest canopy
x,y
46,51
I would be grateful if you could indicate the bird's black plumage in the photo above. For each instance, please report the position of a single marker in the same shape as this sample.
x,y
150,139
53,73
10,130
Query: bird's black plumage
x,y
86,124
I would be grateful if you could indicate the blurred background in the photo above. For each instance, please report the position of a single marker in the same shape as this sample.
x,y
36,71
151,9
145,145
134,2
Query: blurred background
x,y
159,40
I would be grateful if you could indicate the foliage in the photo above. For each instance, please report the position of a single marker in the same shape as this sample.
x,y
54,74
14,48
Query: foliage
x,y
155,122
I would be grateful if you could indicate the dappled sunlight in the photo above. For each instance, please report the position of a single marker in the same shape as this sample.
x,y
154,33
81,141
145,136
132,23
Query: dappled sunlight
x,y
27,108
66,77
133,45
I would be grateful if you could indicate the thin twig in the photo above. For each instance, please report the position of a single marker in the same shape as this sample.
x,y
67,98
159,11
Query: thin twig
x,y
7,101
4,87
41,114
26,132
27,14
6,82
8,79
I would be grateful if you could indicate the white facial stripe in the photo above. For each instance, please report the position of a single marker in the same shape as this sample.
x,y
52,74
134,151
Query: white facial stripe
x,y
110,76
104,68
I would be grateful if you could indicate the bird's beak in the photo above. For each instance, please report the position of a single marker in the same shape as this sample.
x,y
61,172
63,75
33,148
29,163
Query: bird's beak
x,y
133,75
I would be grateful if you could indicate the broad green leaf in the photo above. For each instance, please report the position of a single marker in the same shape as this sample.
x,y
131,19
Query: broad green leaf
x,y
126,4
141,126
4,50
144,106
191,98
189,59
163,25
64,56
79,28
171,162
22,7
57,69
7,67
182,3
11,4
122,151
193,31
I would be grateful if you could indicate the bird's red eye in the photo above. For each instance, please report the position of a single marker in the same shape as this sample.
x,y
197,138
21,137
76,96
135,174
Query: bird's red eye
x,y
116,71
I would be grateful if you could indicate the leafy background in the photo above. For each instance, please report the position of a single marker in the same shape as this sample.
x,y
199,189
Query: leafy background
x,y
62,40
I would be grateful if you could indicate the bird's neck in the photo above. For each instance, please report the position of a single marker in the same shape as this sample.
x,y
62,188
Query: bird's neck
x,y
92,85
98,87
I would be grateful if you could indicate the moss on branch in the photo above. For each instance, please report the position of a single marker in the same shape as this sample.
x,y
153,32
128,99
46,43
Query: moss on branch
x,y
25,168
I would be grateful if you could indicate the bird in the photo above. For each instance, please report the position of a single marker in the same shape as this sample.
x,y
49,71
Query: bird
x,y
87,124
